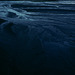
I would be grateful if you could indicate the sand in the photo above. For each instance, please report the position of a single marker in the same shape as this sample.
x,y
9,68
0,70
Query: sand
x,y
37,38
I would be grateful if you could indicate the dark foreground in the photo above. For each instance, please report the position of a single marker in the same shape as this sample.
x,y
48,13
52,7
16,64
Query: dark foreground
x,y
37,39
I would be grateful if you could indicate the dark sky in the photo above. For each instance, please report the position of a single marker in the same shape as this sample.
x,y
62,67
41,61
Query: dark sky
x,y
28,0
37,0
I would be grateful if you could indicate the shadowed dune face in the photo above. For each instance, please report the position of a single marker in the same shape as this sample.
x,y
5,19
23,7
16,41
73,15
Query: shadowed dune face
x,y
2,21
11,15
26,47
29,51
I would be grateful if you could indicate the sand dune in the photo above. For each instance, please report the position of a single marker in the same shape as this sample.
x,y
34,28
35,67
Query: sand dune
x,y
37,38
